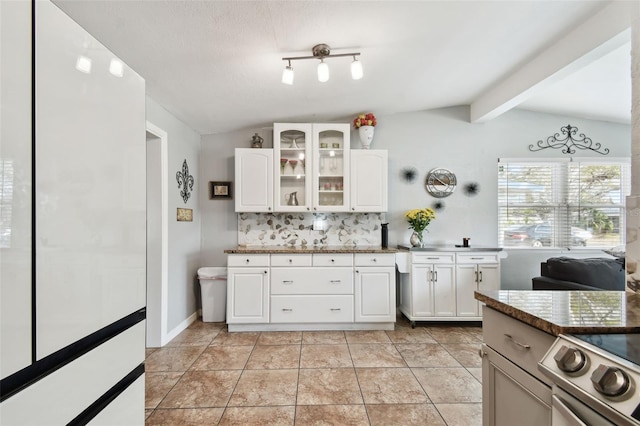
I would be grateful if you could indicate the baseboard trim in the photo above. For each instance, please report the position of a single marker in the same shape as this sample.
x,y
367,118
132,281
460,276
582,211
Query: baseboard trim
x,y
180,328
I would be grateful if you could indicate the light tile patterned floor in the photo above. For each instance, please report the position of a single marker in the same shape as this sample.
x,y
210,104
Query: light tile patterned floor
x,y
430,375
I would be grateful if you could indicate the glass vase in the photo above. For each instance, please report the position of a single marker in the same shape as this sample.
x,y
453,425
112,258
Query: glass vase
x,y
416,239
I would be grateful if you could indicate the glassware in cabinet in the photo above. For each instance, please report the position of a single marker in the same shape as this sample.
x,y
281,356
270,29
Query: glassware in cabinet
x,y
292,153
331,167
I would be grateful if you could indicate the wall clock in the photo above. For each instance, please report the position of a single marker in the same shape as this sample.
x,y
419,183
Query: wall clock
x,y
440,182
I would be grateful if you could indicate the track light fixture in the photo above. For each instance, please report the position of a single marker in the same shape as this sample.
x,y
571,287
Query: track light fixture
x,y
321,52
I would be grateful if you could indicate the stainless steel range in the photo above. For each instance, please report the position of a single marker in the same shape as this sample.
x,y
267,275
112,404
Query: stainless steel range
x,y
596,379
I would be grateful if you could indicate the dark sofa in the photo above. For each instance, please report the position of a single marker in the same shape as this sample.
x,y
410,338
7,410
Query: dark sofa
x,y
566,273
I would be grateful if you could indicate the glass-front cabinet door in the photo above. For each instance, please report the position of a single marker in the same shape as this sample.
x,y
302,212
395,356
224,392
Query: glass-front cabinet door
x,y
292,145
331,147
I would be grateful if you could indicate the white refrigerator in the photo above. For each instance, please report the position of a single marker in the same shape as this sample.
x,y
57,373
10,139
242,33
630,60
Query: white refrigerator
x,y
72,224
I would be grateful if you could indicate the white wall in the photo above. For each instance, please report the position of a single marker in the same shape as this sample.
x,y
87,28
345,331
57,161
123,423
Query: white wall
x,y
219,221
423,140
184,237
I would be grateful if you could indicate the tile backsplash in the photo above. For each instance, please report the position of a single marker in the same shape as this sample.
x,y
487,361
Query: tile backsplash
x,y
310,229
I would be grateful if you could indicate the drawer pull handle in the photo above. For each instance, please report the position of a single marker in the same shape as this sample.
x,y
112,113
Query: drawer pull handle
x,y
335,281
477,258
336,309
287,282
522,345
287,309
433,258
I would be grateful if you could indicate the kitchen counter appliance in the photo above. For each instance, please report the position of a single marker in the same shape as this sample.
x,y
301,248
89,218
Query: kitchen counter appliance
x,y
596,379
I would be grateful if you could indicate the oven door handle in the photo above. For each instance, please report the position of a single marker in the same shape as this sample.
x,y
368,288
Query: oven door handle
x,y
568,417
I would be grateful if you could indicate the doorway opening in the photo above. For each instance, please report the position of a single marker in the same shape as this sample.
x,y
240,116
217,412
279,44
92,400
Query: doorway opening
x,y
157,236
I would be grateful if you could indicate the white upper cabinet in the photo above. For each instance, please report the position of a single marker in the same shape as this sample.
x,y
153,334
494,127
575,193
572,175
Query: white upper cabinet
x,y
331,151
292,165
311,167
369,180
254,180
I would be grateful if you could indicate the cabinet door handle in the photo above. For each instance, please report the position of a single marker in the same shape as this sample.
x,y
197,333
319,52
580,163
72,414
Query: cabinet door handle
x,y
374,260
290,260
481,353
335,281
287,310
333,260
336,309
268,208
266,272
308,208
287,282
480,277
436,276
353,208
476,272
247,260
522,345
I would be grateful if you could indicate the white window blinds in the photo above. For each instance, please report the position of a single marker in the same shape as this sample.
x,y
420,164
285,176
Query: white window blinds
x,y
577,203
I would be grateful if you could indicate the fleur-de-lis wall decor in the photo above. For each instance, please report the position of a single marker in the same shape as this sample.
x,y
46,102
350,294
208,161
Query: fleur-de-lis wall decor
x,y
186,180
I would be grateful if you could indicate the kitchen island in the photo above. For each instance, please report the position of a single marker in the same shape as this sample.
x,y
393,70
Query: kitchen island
x,y
520,327
287,288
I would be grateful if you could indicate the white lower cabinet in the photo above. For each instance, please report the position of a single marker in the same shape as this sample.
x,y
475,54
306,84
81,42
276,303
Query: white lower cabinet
x,y
248,289
375,291
311,292
442,284
474,272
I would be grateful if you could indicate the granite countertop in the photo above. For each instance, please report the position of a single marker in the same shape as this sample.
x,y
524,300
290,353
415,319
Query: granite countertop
x,y
308,249
451,247
569,312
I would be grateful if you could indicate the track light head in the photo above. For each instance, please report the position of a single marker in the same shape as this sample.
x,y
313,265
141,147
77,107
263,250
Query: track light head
x,y
287,74
356,69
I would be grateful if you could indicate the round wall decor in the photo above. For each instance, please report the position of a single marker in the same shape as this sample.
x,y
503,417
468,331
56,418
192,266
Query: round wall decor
x,y
440,182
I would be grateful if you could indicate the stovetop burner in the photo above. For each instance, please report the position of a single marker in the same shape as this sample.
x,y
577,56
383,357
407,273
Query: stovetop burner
x,y
626,346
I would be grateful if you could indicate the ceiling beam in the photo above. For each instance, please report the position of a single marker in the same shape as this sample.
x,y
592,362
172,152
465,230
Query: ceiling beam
x,y
594,38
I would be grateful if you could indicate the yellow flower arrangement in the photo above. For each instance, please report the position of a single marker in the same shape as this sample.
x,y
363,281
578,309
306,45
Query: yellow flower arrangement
x,y
419,219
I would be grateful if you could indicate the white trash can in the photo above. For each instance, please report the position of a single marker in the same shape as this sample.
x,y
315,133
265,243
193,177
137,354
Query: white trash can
x,y
213,293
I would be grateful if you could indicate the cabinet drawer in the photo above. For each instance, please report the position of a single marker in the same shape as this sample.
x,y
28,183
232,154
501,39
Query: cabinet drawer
x,y
291,260
497,328
311,309
477,258
375,259
332,259
435,257
312,280
248,260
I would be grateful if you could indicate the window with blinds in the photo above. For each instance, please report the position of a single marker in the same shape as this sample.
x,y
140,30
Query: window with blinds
x,y
576,203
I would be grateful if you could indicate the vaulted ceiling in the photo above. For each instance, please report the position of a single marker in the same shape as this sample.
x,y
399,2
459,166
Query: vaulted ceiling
x,y
217,65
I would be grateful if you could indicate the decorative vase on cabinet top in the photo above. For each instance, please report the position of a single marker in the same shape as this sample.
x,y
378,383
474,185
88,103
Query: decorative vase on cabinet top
x,y
366,136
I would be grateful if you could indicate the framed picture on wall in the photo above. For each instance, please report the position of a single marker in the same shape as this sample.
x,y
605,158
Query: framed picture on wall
x,y
219,190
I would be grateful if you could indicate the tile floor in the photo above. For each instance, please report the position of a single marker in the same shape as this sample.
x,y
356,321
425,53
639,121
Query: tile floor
x,y
429,375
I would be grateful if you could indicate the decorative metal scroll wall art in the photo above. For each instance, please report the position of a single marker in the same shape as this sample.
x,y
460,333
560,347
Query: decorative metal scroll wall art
x,y
186,180
569,143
